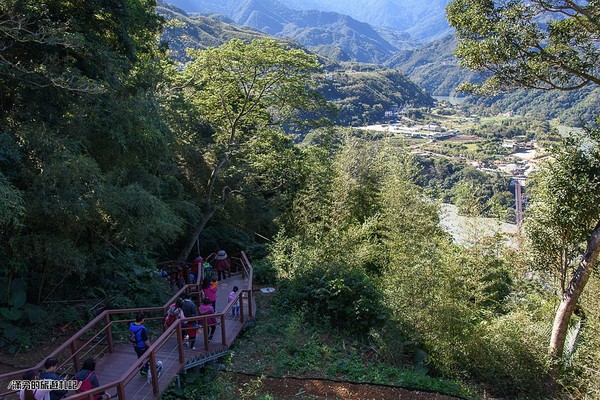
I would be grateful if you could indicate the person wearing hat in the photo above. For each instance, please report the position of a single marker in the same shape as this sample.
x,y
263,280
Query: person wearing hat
x,y
222,264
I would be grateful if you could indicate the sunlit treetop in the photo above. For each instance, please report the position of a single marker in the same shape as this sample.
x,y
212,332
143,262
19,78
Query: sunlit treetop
x,y
538,44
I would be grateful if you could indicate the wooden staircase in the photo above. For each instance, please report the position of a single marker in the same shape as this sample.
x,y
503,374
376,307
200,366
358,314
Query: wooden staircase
x,y
105,338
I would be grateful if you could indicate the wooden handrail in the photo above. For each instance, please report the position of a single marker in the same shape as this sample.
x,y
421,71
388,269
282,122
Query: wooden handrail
x,y
105,319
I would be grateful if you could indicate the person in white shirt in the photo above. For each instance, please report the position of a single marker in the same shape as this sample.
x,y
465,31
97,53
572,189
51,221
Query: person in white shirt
x,y
36,394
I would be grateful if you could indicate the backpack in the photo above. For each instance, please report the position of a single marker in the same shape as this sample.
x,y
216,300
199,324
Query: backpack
x,y
135,336
87,385
132,337
171,315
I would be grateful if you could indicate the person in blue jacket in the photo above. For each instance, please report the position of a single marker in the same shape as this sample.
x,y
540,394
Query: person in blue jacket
x,y
139,338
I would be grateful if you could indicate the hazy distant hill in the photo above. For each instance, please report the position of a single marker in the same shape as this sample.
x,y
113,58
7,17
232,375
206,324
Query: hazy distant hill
x,y
335,35
424,20
434,67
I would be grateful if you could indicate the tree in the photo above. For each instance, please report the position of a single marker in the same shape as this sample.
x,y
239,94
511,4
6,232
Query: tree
x,y
538,44
86,194
551,45
562,214
242,90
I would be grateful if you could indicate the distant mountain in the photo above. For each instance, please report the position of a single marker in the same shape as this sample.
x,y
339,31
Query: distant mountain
x,y
199,32
335,35
434,67
424,20
361,92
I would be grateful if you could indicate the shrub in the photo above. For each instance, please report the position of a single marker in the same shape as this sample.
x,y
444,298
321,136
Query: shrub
x,y
347,298
264,272
509,355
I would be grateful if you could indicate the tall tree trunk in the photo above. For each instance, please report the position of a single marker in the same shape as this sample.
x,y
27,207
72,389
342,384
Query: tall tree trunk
x,y
211,209
571,295
187,249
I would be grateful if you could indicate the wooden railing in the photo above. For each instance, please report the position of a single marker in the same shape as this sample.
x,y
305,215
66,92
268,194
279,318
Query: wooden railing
x,y
99,336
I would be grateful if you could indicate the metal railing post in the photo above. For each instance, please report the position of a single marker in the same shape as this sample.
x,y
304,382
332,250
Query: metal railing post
x,y
223,331
242,307
153,371
250,311
205,330
109,333
75,355
179,333
121,391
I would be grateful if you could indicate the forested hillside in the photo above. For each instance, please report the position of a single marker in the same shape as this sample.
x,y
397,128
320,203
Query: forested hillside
x,y
200,32
575,108
434,67
361,92
362,97
115,156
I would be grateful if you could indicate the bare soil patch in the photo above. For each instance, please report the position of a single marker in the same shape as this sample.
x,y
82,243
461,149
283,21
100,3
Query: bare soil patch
x,y
463,138
292,388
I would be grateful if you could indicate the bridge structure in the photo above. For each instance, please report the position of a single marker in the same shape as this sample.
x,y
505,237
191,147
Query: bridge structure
x,y
106,339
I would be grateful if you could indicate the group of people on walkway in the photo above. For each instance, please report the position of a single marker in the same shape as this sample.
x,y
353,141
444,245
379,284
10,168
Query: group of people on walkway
x,y
138,333
222,266
185,307
199,269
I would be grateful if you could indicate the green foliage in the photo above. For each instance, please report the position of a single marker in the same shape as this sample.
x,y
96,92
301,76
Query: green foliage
x,y
509,354
243,91
17,315
474,192
563,208
127,280
362,97
264,272
86,173
285,344
509,40
205,384
580,376
334,294
248,83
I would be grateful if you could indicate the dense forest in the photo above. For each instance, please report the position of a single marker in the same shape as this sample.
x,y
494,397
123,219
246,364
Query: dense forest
x,y
115,156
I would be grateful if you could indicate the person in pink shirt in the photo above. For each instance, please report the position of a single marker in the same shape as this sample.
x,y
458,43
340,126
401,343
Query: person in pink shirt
x,y
235,309
209,290
206,309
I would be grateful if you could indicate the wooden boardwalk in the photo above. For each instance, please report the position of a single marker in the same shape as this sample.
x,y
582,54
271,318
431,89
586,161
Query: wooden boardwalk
x,y
105,338
113,366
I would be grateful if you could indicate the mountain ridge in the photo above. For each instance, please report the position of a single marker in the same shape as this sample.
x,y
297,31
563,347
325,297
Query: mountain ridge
x,y
319,31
